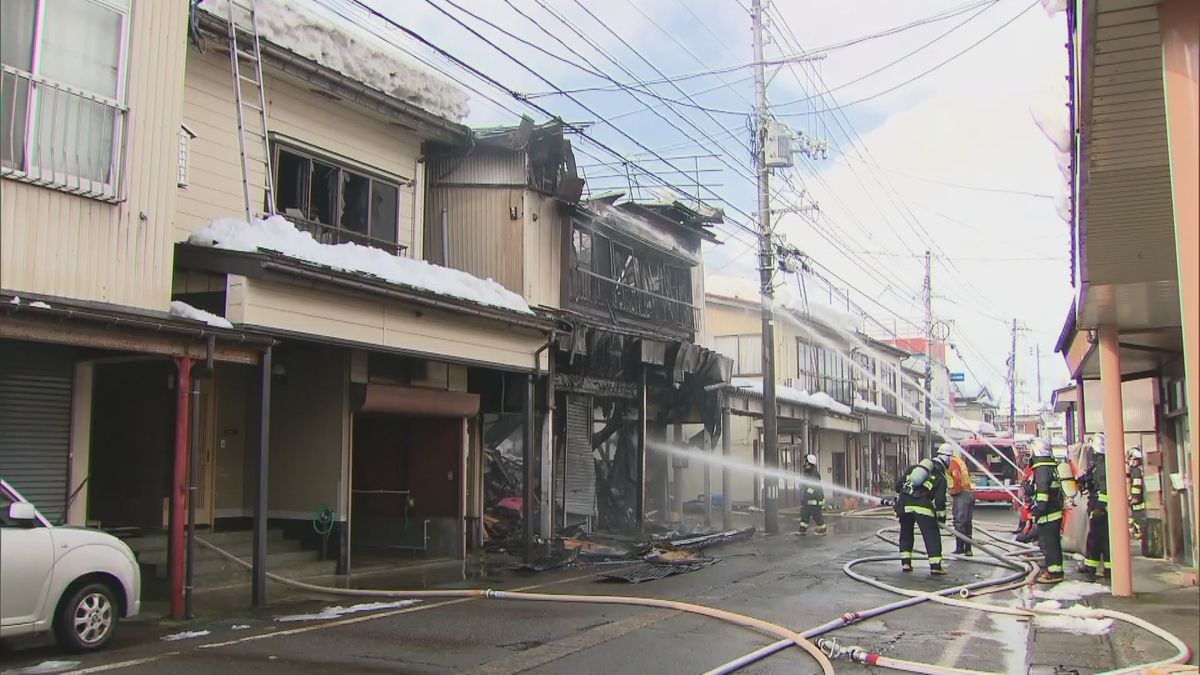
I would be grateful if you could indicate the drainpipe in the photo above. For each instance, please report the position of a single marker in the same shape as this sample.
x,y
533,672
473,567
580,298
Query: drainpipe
x,y
727,454
183,368
193,462
640,514
527,459
547,524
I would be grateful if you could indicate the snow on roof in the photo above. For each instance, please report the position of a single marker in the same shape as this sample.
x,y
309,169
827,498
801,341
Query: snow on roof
x,y
183,310
793,395
641,228
786,299
338,43
863,404
278,235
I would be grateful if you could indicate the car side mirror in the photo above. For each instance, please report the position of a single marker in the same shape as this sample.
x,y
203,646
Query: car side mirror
x,y
21,511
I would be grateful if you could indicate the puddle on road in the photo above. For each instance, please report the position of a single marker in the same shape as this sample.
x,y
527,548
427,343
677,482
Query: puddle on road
x,y
1013,633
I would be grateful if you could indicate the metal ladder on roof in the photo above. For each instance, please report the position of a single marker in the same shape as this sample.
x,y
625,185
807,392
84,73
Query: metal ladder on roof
x,y
244,47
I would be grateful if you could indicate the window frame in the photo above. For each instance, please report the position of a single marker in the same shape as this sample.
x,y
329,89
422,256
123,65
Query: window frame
x,y
112,190
342,166
738,338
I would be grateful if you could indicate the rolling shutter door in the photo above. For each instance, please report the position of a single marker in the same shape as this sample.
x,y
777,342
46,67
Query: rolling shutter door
x,y
580,468
35,425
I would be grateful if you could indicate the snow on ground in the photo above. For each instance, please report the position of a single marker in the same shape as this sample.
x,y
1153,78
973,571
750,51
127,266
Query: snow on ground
x,y
279,235
185,635
1081,623
862,404
793,395
1069,590
335,612
39,304
332,40
183,310
47,667
239,626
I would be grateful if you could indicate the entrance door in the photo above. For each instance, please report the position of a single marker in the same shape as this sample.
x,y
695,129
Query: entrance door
x,y
839,468
206,451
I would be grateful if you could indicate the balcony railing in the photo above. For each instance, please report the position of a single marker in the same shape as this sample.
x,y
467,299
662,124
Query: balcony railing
x,y
330,234
60,137
594,290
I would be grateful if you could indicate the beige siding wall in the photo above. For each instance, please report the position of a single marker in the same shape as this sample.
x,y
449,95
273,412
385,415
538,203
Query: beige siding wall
x,y
373,322
310,433
316,122
481,237
544,224
56,244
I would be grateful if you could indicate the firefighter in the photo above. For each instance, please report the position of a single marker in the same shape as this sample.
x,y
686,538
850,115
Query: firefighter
x,y
1094,482
922,502
1137,491
814,497
962,499
1046,510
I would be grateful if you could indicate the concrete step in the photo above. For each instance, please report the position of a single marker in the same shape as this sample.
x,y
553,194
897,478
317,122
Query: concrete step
x,y
240,575
158,542
244,551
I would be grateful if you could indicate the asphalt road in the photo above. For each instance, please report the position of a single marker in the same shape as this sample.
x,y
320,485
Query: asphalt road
x,y
794,581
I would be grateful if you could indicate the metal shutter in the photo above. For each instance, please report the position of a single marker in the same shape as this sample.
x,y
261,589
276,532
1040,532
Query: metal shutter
x,y
580,497
35,425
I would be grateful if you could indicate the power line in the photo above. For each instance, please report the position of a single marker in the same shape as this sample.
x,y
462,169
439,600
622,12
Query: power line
x,y
920,75
980,188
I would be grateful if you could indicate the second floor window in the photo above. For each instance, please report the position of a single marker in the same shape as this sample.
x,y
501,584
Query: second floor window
x,y
823,369
888,378
745,350
62,93
865,375
339,203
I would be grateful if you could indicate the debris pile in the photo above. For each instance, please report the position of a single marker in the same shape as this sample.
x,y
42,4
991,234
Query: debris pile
x,y
639,559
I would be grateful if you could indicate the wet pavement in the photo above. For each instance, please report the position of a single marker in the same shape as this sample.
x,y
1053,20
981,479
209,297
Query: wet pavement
x,y
791,580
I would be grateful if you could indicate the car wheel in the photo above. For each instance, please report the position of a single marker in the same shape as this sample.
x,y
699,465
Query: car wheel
x,y
87,619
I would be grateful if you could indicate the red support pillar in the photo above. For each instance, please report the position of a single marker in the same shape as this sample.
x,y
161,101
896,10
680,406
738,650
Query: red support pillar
x,y
183,367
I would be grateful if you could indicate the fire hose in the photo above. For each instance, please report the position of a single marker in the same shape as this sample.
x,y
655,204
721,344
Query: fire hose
x,y
775,630
1008,582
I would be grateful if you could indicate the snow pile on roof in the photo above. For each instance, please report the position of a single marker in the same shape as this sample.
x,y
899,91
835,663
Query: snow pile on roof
x,y
278,235
339,43
641,228
337,611
182,310
863,404
793,395
1069,590
1051,115
788,301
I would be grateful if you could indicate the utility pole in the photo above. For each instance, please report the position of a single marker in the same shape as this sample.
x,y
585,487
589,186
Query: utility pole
x,y
766,261
928,355
1012,383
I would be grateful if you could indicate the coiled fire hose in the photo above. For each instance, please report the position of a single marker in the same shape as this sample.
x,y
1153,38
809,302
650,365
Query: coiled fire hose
x,y
1016,579
775,630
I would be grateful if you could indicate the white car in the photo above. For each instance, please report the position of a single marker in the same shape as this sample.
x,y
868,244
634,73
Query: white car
x,y
70,580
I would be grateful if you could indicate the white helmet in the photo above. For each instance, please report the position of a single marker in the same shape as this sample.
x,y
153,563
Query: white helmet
x,y
811,459
1097,444
1135,453
1038,447
948,450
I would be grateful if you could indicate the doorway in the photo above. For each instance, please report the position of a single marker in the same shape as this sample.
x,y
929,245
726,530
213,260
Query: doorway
x,y
407,492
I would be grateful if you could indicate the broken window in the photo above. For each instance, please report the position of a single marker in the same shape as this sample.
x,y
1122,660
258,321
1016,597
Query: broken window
x,y
334,203
583,248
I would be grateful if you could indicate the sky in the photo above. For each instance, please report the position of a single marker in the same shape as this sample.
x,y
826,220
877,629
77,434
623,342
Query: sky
x,y
951,161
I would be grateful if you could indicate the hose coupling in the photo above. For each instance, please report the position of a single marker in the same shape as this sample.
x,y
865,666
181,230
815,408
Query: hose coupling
x,y
964,593
850,617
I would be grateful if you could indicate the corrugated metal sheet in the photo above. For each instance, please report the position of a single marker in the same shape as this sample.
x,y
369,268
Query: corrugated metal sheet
x,y
481,167
482,237
57,244
35,425
580,492
544,225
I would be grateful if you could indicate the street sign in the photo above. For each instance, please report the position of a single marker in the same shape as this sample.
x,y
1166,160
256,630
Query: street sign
x,y
958,377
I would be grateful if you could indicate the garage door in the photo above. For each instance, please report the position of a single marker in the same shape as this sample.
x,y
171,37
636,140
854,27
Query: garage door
x,y
580,467
35,424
